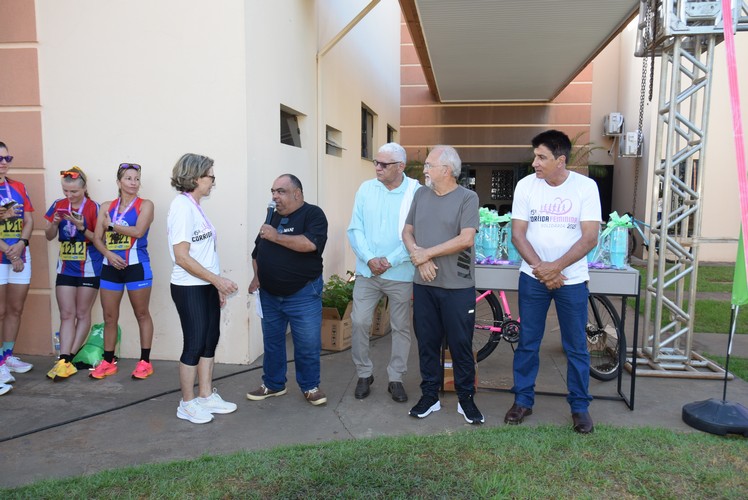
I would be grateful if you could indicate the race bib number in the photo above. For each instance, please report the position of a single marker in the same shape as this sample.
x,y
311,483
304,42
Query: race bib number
x,y
11,228
73,250
116,241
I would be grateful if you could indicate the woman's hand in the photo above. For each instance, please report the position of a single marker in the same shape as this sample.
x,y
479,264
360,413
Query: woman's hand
x,y
116,261
17,265
15,251
79,223
225,286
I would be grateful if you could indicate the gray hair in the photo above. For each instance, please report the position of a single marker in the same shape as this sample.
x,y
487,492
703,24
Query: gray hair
x,y
188,169
396,150
450,158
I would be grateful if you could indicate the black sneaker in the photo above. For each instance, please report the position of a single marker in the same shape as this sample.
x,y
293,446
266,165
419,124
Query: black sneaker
x,y
466,407
425,406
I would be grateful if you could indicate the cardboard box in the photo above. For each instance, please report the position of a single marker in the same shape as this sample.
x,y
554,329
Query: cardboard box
x,y
448,384
380,323
336,331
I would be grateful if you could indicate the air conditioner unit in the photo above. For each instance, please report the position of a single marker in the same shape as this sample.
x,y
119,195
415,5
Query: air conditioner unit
x,y
613,124
630,145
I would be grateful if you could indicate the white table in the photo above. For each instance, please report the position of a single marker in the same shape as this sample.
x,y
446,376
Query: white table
x,y
622,283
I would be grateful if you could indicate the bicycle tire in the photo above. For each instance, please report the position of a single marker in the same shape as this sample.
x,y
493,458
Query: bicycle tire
x,y
488,313
605,341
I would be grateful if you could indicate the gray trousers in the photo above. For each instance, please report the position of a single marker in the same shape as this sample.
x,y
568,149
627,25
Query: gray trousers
x,y
367,292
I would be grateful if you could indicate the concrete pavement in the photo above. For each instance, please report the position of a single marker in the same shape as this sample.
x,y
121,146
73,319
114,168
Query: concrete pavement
x,y
81,426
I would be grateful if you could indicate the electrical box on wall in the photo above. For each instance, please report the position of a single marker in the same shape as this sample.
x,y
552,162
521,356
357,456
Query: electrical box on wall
x,y
613,124
630,145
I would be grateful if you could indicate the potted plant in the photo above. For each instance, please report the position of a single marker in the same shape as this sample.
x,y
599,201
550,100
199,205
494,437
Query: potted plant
x,y
338,292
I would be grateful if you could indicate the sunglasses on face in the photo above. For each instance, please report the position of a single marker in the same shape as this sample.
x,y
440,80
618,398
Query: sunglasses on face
x,y
70,173
125,166
383,164
7,159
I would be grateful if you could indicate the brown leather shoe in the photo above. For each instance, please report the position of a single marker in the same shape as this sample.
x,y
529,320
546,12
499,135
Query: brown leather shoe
x,y
582,422
517,414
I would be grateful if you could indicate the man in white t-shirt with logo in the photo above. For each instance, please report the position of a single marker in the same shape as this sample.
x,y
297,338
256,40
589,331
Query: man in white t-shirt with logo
x,y
555,221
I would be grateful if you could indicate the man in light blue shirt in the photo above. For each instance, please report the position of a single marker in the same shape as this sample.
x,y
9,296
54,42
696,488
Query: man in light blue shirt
x,y
383,266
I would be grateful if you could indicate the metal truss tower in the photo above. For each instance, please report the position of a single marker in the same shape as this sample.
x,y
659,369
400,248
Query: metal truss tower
x,y
683,34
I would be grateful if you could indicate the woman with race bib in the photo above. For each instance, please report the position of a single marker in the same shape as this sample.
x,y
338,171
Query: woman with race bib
x,y
16,225
122,236
72,220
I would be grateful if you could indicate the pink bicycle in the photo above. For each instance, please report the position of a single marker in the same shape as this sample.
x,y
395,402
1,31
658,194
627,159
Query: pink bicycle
x,y
606,344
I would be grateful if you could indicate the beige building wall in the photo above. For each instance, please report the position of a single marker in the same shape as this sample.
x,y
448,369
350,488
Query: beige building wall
x,y
141,81
20,130
721,205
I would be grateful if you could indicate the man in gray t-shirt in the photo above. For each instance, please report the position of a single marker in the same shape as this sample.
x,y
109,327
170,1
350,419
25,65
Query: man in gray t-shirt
x,y
439,234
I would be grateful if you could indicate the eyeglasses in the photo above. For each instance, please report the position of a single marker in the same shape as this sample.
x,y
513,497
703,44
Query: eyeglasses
x,y
279,191
125,166
429,166
70,173
7,159
212,177
382,164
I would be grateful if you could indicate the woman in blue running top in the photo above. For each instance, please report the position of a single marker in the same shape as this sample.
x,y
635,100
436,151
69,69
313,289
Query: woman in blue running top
x,y
72,220
122,236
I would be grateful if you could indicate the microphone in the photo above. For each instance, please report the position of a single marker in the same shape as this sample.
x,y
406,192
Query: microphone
x,y
271,209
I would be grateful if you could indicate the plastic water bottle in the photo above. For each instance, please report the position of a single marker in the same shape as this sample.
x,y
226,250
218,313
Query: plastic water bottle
x,y
592,255
619,244
513,255
479,252
491,241
56,343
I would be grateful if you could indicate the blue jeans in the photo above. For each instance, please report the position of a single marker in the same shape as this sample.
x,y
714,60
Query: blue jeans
x,y
303,310
571,308
439,314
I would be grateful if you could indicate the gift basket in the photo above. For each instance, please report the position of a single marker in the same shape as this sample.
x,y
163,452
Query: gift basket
x,y
493,241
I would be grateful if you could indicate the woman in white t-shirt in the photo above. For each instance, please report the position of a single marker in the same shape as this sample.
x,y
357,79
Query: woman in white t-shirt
x,y
197,288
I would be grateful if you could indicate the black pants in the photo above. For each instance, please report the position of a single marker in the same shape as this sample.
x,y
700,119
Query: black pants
x,y
440,313
199,309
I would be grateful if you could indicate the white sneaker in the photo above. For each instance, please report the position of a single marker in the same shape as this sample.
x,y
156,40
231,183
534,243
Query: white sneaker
x,y
215,404
5,388
192,411
5,375
16,365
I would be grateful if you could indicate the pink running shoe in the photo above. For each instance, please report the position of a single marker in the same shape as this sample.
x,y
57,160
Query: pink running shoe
x,y
104,369
143,370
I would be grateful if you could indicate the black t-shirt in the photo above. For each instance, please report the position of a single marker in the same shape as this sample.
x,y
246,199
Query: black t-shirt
x,y
283,271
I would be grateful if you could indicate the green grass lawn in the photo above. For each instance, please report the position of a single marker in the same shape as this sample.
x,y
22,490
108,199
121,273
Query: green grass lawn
x,y
710,278
738,366
502,462
712,315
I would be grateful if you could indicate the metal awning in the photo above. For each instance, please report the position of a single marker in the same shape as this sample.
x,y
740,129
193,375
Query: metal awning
x,y
510,50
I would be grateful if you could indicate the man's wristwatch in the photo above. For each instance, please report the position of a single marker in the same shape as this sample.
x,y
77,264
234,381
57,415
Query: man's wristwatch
x,y
25,241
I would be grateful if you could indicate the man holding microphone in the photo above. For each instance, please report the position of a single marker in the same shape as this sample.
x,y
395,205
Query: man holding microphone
x,y
287,263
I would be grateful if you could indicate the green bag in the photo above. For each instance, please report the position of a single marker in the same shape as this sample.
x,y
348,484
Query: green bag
x,y
92,351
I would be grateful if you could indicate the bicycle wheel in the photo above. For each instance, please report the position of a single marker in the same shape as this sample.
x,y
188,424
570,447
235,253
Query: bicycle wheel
x,y
488,314
605,341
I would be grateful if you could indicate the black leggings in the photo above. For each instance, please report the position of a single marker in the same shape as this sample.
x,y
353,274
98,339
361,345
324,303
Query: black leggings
x,y
199,309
